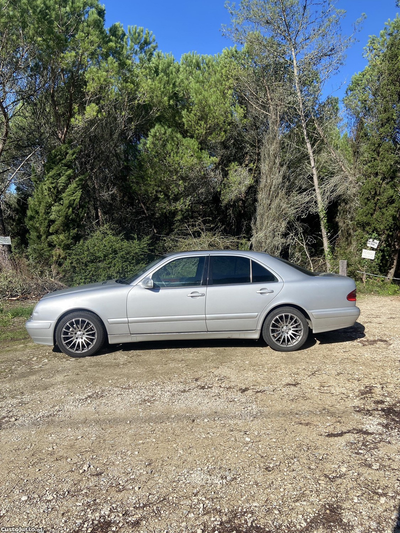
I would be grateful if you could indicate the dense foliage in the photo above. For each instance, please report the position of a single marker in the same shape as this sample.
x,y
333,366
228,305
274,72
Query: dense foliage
x,y
112,152
374,100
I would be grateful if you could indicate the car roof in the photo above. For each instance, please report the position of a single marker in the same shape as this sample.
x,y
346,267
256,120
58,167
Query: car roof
x,y
249,253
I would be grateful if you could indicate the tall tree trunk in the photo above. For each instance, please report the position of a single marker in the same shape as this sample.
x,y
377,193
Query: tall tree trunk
x,y
392,272
317,189
5,255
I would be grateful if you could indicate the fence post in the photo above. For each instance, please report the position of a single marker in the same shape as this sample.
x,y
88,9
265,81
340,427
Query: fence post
x,y
343,268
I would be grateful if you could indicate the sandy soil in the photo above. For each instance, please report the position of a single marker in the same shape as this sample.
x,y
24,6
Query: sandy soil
x,y
206,436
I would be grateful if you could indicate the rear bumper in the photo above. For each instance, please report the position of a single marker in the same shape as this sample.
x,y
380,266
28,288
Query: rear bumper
x,y
40,331
331,319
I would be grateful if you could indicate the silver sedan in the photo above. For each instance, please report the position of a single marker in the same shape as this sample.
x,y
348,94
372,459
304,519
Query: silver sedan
x,y
198,295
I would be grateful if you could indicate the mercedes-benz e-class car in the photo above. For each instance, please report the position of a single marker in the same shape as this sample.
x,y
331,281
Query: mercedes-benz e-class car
x,y
198,295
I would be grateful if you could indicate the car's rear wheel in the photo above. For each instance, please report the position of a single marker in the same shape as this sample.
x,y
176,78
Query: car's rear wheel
x,y
80,334
285,329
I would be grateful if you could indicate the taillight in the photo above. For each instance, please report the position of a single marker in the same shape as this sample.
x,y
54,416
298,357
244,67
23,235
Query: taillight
x,y
352,296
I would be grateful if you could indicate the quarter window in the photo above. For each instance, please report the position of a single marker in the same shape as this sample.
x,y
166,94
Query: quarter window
x,y
260,274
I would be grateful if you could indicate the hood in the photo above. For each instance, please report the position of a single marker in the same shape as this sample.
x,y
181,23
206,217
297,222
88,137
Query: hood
x,y
104,285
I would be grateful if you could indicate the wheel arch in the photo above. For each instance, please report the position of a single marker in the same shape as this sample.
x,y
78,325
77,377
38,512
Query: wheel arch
x,y
78,310
285,304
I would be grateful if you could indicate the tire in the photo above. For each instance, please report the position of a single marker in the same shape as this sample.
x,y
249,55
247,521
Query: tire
x,y
285,329
80,334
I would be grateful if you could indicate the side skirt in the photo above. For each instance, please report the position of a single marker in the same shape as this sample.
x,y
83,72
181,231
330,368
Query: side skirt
x,y
120,339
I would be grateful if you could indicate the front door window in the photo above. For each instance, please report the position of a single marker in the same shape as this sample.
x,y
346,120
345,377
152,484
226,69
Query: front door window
x,y
184,272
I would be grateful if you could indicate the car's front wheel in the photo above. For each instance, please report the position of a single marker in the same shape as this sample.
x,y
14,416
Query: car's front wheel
x,y
285,329
80,334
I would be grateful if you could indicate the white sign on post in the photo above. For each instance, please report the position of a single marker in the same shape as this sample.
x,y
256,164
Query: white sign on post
x,y
5,240
368,254
372,243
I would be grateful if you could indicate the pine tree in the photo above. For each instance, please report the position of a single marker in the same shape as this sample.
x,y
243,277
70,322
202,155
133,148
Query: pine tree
x,y
56,209
305,35
374,99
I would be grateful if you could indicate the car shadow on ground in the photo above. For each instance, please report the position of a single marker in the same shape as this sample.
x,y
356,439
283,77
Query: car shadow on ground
x,y
331,337
341,335
185,344
397,524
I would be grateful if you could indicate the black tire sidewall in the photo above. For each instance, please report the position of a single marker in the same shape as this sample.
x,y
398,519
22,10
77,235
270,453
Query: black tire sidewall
x,y
267,337
100,339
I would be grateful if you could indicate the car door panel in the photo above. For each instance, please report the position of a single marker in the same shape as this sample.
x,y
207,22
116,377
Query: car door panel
x,y
238,307
176,303
234,301
166,310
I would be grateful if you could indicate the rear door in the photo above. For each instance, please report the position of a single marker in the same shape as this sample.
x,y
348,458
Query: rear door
x,y
238,292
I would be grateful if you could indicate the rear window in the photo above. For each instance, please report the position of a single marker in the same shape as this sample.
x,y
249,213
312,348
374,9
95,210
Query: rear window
x,y
299,268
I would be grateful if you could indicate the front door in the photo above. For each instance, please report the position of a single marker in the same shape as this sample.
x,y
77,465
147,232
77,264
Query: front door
x,y
176,303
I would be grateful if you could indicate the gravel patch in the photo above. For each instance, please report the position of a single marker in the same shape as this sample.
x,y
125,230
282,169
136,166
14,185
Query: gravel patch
x,y
206,436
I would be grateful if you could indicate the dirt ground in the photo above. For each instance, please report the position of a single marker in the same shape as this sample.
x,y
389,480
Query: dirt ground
x,y
206,436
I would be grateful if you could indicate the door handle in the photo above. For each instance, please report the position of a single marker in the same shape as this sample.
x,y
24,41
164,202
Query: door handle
x,y
196,294
264,291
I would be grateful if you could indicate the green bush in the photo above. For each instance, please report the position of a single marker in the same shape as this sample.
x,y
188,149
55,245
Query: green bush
x,y
11,284
5,319
7,316
379,287
104,255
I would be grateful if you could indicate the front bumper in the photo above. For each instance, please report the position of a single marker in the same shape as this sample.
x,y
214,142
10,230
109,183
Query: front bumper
x,y
41,331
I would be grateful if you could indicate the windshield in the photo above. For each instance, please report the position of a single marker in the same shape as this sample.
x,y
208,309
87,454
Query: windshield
x,y
137,275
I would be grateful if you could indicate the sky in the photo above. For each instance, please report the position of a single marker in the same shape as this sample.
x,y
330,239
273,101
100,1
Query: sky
x,y
182,26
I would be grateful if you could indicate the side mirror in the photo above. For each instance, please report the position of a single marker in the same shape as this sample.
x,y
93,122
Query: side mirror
x,y
147,283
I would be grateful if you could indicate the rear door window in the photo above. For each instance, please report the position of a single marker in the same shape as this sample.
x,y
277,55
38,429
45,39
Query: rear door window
x,y
229,269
